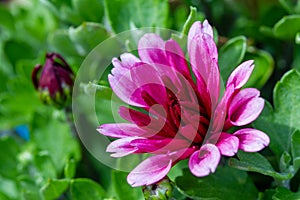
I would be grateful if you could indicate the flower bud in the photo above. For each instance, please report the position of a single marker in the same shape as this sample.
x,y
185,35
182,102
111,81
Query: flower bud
x,y
161,190
56,81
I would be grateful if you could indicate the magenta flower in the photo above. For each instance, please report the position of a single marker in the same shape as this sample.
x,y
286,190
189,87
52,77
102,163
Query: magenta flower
x,y
179,118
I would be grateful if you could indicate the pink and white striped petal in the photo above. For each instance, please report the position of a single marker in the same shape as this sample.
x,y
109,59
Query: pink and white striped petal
x,y
151,49
252,140
120,130
228,144
204,161
150,171
245,107
241,74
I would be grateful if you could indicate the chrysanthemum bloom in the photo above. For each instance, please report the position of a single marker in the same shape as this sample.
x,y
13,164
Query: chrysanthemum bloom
x,y
179,118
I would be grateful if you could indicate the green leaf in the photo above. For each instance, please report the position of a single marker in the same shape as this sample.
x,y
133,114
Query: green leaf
x,y
54,189
264,65
10,149
55,137
87,36
89,10
193,16
83,188
121,187
6,19
284,194
225,183
279,123
70,168
125,14
296,149
231,54
60,42
287,27
255,162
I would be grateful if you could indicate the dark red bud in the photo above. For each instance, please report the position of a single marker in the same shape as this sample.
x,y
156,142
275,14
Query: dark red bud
x,y
55,83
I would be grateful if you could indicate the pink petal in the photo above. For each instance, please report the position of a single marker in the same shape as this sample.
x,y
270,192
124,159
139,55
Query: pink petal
x,y
156,146
204,61
152,49
150,171
241,74
150,86
129,60
245,107
120,130
252,140
121,147
197,29
228,144
123,86
205,160
176,58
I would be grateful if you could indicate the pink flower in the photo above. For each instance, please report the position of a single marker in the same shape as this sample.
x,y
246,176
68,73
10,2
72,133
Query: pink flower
x,y
179,118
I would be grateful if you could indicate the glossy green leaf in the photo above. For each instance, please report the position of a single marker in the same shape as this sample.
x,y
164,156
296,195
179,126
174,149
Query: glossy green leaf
x,y
121,187
126,14
83,188
193,16
256,163
231,54
287,27
54,189
264,66
284,194
225,183
279,123
296,149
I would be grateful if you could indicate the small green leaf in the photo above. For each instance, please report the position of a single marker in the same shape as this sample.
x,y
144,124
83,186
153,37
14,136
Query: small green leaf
x,y
87,36
60,42
264,65
121,187
284,194
296,149
287,27
255,162
231,54
70,168
190,20
284,161
83,188
54,189
225,183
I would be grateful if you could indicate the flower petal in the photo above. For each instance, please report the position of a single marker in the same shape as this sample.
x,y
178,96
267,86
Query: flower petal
x,y
120,130
204,61
228,144
198,28
252,140
150,171
121,147
205,160
176,58
241,74
151,49
245,107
